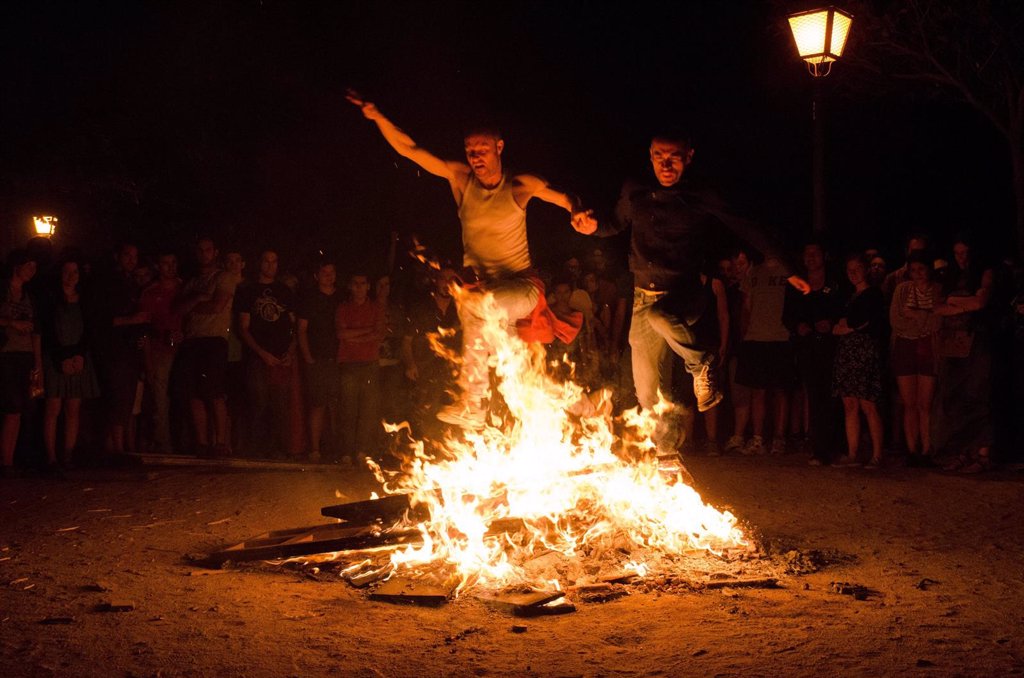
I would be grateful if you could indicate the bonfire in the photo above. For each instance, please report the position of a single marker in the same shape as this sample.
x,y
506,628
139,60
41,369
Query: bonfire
x,y
551,478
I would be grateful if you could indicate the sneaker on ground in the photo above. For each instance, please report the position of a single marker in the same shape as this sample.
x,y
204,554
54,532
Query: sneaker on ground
x,y
778,446
466,414
734,444
712,449
755,446
705,388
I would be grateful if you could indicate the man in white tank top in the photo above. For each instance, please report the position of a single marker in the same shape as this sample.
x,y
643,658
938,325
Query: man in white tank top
x,y
492,209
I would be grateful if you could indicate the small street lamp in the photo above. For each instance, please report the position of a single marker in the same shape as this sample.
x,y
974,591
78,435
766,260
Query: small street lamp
x,y
820,36
45,225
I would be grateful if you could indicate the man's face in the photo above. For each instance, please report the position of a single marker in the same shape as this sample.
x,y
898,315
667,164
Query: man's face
x,y
383,287
443,282
669,160
359,287
877,268
573,267
167,265
128,258
234,263
327,275
742,264
268,264
483,153
814,258
918,272
206,253
855,272
962,254
563,293
727,269
69,274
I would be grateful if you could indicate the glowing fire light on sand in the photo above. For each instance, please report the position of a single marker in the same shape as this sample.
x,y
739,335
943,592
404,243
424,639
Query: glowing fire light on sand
x,y
555,464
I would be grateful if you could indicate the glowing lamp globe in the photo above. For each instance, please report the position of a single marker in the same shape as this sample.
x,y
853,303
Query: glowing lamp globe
x,y
820,37
45,225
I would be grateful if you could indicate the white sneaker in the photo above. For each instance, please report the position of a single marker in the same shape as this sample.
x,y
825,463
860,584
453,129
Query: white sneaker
x,y
705,388
734,444
755,446
464,414
778,446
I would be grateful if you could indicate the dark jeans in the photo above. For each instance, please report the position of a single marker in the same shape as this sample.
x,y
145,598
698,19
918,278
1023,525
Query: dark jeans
x,y
815,355
360,407
269,391
961,414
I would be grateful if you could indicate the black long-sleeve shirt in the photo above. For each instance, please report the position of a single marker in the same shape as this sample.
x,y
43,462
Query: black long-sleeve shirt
x,y
671,229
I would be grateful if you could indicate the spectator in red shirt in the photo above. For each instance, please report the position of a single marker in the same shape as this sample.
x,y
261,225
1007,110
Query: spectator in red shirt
x,y
165,337
361,325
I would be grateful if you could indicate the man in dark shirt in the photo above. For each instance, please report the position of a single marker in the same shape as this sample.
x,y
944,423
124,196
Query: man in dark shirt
x,y
121,328
266,324
430,373
318,345
672,223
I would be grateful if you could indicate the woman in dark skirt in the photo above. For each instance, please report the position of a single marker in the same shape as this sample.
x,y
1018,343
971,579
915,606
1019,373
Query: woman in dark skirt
x,y
857,374
67,363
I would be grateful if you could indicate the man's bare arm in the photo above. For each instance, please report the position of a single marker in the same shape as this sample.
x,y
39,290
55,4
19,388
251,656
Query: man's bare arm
x,y
455,172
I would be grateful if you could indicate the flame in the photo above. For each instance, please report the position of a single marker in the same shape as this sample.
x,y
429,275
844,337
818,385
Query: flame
x,y
558,471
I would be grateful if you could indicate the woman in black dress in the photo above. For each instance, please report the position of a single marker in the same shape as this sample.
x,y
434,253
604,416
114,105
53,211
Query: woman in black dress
x,y
857,375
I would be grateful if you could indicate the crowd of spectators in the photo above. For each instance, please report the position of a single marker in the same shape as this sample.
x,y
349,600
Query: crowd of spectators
x,y
125,355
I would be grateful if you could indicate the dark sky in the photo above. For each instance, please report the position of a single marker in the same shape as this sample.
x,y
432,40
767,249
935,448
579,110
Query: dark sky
x,y
165,119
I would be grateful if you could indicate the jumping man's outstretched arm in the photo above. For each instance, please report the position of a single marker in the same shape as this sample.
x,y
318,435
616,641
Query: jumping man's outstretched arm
x,y
453,171
528,187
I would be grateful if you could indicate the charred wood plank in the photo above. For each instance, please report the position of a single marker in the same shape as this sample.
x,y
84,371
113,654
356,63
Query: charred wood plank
x,y
413,591
387,509
304,541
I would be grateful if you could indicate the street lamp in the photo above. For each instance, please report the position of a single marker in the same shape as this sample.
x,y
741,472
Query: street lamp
x,y
820,36
45,225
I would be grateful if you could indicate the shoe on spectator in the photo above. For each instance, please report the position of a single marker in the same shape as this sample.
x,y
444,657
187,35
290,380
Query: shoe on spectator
x,y
846,461
10,472
734,444
755,446
779,446
466,414
712,449
814,461
220,450
705,388
874,464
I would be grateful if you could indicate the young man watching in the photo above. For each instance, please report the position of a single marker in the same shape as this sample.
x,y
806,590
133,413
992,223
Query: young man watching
x,y
318,346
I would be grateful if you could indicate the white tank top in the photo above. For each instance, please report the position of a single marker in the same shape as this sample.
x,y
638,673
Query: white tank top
x,y
493,230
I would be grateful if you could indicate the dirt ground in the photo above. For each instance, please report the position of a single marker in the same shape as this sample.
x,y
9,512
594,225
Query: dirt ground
x,y
131,528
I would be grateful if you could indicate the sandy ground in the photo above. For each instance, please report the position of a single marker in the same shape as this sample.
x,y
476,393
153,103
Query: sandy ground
x,y
132,528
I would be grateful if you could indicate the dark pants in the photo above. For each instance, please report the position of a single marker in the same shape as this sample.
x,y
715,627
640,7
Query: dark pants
x,y
961,414
360,407
269,391
814,358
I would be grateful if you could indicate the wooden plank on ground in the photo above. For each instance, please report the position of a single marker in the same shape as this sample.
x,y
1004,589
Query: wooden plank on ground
x,y
305,541
517,600
226,462
413,591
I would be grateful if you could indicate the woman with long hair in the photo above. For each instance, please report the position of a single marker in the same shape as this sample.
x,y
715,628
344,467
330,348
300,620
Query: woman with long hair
x,y
20,356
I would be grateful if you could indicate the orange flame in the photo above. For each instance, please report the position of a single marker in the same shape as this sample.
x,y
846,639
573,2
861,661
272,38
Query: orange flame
x,y
555,464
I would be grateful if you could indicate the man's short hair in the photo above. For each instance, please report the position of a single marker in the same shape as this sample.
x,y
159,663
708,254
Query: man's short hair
x,y
484,129
674,133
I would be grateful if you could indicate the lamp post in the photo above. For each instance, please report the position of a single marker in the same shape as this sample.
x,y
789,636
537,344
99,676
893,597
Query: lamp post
x,y
45,226
820,36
